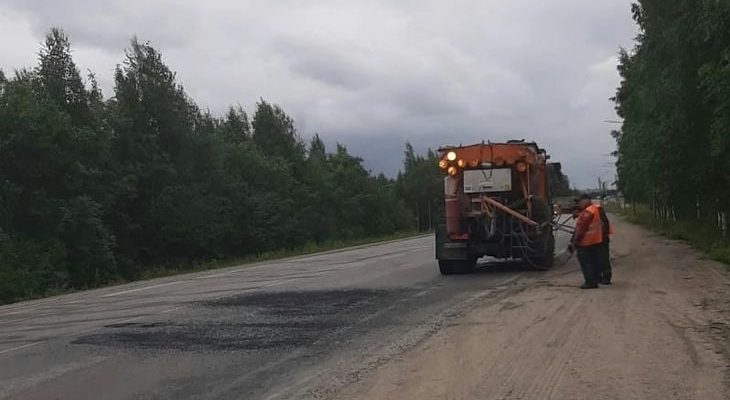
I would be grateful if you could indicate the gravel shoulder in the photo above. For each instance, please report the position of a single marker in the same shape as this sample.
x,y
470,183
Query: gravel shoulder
x,y
660,332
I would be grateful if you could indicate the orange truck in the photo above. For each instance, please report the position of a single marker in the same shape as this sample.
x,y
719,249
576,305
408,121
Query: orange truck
x,y
498,203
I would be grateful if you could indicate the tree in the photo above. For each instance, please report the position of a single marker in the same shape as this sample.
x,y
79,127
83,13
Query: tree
x,y
235,128
154,124
60,79
671,99
559,182
274,133
421,186
51,176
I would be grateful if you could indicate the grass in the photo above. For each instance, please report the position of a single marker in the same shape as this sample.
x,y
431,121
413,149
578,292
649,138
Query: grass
x,y
699,234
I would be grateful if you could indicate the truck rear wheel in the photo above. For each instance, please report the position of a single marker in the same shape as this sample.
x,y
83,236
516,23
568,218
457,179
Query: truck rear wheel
x,y
544,261
446,267
541,263
468,266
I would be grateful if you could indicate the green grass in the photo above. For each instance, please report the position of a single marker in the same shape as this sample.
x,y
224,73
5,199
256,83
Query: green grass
x,y
701,235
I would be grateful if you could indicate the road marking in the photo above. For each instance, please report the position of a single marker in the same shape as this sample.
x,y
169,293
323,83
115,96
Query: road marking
x,y
218,275
123,321
13,313
279,281
140,289
25,346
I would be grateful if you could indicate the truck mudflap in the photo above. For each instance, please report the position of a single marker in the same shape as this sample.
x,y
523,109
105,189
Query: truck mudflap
x,y
452,251
448,250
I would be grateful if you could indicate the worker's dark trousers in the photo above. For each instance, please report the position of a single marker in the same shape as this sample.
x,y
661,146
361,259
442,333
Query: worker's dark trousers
x,y
606,272
589,258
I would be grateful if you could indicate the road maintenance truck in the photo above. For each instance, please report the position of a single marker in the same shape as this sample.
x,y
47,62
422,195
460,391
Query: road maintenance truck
x,y
497,203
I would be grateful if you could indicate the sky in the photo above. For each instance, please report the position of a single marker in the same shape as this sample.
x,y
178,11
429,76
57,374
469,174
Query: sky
x,y
371,74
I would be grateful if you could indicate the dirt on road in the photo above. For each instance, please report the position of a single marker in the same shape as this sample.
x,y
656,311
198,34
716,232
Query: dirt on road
x,y
660,332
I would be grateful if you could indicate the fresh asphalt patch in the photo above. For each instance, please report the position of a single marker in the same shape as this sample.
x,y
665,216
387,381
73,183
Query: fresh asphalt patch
x,y
250,322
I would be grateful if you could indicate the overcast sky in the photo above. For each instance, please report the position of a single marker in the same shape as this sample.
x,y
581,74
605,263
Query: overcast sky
x,y
371,74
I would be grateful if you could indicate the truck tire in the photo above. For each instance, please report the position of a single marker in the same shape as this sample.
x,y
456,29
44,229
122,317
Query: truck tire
x,y
446,267
467,266
544,262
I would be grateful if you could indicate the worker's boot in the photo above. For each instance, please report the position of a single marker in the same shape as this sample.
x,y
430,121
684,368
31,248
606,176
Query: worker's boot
x,y
587,286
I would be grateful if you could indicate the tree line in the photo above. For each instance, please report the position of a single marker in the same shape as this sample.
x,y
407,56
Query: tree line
x,y
674,99
95,190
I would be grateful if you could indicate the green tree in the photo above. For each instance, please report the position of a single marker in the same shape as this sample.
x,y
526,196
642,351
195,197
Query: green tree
x,y
60,79
50,165
673,99
421,186
235,128
274,133
153,121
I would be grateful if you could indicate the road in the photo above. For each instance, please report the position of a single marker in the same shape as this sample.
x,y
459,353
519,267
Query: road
x,y
379,321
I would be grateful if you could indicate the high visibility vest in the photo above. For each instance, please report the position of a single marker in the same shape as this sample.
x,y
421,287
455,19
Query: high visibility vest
x,y
594,235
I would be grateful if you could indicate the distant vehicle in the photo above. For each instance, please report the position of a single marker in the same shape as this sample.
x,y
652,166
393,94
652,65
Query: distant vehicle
x,y
498,203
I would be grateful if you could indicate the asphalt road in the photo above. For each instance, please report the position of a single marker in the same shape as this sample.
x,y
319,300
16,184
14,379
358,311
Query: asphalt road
x,y
304,327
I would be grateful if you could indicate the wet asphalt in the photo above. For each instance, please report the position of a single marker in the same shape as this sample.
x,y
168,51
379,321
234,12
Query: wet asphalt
x,y
304,327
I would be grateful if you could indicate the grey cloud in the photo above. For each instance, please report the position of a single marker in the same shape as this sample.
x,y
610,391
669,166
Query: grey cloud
x,y
326,65
109,25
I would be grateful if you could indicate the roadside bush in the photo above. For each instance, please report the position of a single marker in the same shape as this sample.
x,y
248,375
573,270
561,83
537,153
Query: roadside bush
x,y
700,234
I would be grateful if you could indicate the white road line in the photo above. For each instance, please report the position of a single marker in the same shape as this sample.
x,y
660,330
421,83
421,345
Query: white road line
x,y
277,282
140,289
25,346
218,275
13,313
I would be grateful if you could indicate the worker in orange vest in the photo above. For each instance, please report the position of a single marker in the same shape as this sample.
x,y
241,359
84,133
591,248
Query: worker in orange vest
x,y
587,240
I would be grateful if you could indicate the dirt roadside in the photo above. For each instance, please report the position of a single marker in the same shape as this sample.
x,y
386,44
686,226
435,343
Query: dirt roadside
x,y
662,331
